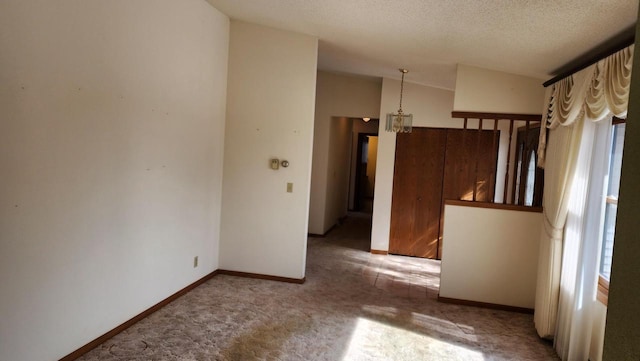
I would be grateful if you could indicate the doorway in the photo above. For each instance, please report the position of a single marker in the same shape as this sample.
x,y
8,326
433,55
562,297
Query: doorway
x,y
365,172
363,162
528,180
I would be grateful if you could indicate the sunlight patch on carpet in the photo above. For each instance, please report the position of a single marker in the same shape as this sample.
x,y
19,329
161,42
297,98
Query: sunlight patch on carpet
x,y
421,323
372,340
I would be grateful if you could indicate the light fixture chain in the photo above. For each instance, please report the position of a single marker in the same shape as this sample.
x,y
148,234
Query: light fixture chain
x,y
401,90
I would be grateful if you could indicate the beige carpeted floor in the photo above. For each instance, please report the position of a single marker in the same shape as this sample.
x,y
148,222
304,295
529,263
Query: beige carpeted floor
x,y
354,306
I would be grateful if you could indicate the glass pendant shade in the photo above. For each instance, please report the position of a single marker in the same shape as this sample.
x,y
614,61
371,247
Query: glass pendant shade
x,y
399,122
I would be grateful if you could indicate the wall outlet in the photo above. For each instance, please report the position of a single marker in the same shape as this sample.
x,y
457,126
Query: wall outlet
x,y
195,261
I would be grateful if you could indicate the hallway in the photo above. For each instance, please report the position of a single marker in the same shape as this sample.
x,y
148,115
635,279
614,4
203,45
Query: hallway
x,y
397,275
353,306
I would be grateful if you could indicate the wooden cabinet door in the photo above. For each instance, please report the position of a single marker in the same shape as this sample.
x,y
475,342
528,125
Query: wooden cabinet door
x,y
417,192
433,165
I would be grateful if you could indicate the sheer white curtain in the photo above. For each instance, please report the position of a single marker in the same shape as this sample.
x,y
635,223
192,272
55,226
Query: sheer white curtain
x,y
565,258
562,158
577,296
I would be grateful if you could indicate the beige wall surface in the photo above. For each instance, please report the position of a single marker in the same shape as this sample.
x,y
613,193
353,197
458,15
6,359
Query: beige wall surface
x,y
111,133
483,90
337,96
490,255
271,99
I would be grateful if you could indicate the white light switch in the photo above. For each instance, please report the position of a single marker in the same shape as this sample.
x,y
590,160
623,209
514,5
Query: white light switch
x,y
289,187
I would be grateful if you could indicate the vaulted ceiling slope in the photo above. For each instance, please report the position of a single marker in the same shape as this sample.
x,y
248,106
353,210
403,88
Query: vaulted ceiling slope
x,y
429,37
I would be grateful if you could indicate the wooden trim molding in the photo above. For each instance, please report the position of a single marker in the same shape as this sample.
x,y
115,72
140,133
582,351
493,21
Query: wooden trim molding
x,y
603,290
508,207
498,116
93,344
262,277
616,121
379,251
323,235
492,306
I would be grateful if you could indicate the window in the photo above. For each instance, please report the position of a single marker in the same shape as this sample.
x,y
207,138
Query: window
x,y
611,207
518,174
528,180
531,180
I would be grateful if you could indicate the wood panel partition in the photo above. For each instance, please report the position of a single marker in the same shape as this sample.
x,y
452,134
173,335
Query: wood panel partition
x,y
532,121
433,165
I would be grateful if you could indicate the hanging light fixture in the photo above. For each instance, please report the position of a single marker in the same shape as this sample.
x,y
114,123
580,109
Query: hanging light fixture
x,y
399,122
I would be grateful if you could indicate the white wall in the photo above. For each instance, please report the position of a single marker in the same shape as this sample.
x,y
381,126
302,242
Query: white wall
x,y
111,132
271,98
337,95
490,255
372,159
483,90
337,196
431,107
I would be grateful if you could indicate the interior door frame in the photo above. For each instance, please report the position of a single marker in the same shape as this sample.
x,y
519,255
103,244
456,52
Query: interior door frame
x,y
357,188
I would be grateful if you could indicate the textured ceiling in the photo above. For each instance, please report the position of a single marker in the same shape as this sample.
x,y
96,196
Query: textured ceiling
x,y
429,37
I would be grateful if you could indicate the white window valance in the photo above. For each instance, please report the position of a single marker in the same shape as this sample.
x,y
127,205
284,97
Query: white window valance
x,y
594,93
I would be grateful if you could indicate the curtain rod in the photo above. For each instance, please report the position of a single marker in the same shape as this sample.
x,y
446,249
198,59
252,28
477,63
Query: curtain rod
x,y
609,47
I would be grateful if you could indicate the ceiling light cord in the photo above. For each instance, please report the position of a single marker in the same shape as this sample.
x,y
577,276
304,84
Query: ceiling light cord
x,y
404,71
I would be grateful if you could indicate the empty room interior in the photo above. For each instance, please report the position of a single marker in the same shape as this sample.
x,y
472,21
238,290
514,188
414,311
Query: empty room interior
x,y
319,180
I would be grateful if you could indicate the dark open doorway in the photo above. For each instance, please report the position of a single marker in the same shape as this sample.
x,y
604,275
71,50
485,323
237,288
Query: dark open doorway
x,y
366,160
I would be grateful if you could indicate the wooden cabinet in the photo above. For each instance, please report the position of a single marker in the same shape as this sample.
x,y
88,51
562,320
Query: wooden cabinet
x,y
432,165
